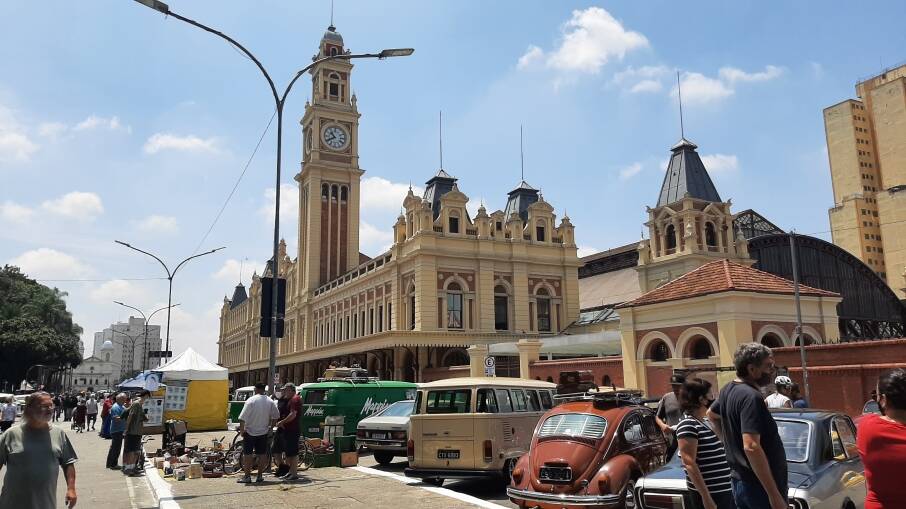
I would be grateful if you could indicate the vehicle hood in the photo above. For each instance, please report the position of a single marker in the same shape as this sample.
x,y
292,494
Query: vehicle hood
x,y
672,475
385,423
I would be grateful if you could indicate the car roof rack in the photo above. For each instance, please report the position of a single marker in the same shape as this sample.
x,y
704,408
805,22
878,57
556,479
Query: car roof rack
x,y
621,397
352,374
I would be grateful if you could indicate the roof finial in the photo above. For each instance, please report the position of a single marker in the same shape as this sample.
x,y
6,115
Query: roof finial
x,y
331,14
679,93
240,271
521,155
440,136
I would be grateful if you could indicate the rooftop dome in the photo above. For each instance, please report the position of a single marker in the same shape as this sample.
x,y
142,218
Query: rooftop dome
x,y
332,36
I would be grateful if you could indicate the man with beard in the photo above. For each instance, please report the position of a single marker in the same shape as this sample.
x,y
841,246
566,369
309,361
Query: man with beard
x,y
754,450
33,454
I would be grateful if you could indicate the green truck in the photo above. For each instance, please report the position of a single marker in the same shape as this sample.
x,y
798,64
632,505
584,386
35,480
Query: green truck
x,y
348,396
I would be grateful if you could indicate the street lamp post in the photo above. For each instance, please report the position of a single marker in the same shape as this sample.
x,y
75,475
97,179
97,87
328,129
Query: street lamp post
x,y
170,276
146,319
279,102
132,340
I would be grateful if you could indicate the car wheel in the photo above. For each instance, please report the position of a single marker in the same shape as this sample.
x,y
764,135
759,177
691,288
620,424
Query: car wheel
x,y
629,501
508,468
383,458
436,481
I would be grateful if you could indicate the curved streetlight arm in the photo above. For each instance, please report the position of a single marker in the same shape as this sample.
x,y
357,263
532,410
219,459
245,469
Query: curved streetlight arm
x,y
161,309
132,307
380,56
195,256
169,276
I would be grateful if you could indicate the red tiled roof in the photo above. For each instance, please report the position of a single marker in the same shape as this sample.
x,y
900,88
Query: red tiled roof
x,y
724,276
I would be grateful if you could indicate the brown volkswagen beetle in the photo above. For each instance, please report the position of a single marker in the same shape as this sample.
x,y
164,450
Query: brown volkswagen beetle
x,y
588,451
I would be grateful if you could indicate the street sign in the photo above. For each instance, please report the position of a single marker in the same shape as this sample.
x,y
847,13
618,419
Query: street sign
x,y
160,353
490,366
276,379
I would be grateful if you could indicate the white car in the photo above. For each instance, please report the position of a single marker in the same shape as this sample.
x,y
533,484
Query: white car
x,y
385,434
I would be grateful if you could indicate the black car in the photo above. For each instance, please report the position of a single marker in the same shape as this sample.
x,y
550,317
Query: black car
x,y
825,470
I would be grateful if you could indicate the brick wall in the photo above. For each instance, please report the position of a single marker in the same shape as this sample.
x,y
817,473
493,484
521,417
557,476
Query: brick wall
x,y
600,366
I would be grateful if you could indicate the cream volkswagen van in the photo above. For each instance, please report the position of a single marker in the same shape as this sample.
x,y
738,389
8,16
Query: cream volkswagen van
x,y
473,427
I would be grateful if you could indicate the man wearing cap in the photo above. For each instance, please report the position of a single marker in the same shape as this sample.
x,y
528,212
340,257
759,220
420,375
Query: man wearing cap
x,y
256,418
669,412
288,433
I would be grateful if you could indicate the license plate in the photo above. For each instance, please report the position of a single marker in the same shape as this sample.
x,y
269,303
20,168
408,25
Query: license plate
x,y
379,436
446,454
314,430
555,474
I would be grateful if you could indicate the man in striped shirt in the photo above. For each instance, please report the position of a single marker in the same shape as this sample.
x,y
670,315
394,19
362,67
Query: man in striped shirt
x,y
703,456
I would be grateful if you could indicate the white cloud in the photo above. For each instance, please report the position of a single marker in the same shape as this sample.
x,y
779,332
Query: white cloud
x,y
95,122
646,86
15,145
229,271
289,207
77,205
817,69
191,143
381,194
121,290
373,241
52,129
46,263
587,251
591,38
158,224
700,89
15,213
720,163
630,171
732,75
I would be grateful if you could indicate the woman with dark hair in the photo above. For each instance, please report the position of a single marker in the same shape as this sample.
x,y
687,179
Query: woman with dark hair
x,y
703,455
882,443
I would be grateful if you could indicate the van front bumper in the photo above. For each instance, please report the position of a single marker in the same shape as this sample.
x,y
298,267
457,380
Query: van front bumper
x,y
427,473
564,500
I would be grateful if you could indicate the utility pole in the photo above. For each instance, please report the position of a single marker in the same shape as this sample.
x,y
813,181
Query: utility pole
x,y
798,333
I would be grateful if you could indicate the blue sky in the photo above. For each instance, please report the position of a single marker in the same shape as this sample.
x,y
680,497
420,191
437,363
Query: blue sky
x,y
116,123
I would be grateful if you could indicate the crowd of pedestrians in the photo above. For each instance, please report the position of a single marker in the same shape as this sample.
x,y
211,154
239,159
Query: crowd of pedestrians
x,y
731,449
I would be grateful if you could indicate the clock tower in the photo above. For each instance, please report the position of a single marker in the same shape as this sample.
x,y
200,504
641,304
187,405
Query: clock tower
x,y
329,182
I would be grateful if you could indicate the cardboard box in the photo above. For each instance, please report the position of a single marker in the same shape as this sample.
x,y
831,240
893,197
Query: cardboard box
x,y
195,470
159,463
349,459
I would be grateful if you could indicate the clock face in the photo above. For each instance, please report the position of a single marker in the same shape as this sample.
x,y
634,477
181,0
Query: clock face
x,y
335,137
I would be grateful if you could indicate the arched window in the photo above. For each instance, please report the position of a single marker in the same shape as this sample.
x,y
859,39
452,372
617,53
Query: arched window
x,y
671,238
333,85
543,306
343,193
539,230
658,352
412,307
455,357
325,191
606,381
333,192
771,340
334,51
107,357
454,222
501,308
809,340
454,306
700,348
710,234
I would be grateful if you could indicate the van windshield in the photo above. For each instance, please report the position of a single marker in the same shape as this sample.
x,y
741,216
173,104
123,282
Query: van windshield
x,y
315,397
449,401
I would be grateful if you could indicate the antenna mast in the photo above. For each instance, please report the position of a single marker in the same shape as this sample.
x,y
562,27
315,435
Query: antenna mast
x,y
679,93
331,12
440,136
521,156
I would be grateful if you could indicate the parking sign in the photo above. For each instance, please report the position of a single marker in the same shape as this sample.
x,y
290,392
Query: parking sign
x,y
489,366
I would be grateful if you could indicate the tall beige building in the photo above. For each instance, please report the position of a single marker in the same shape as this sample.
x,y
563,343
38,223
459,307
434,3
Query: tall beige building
x,y
866,145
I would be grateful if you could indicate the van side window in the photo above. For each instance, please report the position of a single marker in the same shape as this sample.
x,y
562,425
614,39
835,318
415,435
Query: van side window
x,y
315,397
546,400
448,401
503,401
487,403
519,403
534,403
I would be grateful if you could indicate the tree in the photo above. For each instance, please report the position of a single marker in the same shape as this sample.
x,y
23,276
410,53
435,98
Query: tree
x,y
35,326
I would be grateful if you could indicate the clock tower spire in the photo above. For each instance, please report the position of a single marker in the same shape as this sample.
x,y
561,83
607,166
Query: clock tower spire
x,y
329,182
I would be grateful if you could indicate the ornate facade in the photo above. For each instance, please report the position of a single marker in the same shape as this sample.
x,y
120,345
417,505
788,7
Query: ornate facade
x,y
449,280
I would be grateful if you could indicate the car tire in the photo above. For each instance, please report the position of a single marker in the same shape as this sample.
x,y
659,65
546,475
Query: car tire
x,y
508,468
629,499
383,458
434,481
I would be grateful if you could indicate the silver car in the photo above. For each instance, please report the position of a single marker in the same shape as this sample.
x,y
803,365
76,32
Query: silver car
x,y
385,434
825,470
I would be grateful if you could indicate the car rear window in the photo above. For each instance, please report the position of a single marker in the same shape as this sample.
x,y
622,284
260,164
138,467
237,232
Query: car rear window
x,y
451,401
574,425
315,397
398,409
795,438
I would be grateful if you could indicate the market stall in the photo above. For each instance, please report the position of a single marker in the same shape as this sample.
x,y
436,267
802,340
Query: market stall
x,y
197,392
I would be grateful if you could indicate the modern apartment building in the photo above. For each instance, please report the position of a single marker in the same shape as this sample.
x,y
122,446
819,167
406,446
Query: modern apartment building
x,y
866,146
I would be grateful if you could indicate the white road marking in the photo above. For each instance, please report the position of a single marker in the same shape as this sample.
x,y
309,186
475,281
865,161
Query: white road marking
x,y
160,488
433,489
131,488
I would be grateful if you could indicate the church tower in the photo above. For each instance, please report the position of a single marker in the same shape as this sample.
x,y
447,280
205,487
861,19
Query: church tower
x,y
329,183
690,226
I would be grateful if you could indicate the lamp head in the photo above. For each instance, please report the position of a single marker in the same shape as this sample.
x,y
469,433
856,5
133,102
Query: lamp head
x,y
395,52
156,5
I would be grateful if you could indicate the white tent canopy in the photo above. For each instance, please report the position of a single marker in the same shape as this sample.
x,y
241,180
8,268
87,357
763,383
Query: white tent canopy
x,y
190,365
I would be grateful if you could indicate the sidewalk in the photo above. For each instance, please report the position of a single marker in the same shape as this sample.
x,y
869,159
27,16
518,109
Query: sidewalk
x,y
96,486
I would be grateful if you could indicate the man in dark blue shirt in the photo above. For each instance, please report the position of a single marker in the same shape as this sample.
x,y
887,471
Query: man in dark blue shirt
x,y
749,433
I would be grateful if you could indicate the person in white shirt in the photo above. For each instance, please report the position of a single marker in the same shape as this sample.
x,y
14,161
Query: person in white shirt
x,y
91,412
781,398
258,415
7,414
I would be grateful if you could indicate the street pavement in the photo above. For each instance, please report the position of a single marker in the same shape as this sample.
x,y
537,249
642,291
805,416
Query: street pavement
x,y
96,486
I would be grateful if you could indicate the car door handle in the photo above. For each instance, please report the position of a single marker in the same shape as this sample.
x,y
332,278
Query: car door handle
x,y
430,434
